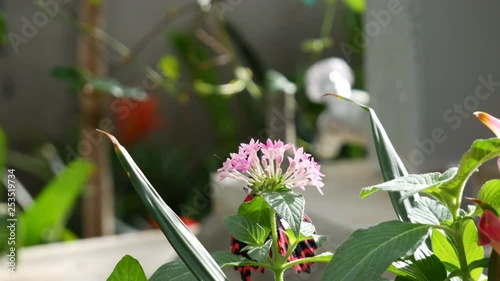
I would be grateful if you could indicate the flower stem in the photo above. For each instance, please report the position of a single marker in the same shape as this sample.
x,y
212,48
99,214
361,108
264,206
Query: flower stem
x,y
274,233
462,258
278,275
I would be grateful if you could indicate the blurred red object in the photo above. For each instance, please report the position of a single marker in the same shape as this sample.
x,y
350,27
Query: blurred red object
x,y
136,119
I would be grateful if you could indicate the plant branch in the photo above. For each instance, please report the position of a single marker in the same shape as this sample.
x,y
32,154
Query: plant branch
x,y
274,233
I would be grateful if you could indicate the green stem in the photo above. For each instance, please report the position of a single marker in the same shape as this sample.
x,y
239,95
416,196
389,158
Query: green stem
x,y
461,256
274,232
457,235
278,275
326,26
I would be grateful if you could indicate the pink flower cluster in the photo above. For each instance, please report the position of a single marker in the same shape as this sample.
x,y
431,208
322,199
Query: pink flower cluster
x,y
248,166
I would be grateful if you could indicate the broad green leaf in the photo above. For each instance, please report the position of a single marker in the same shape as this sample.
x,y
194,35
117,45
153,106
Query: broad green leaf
x,y
444,250
429,211
257,210
307,229
187,246
390,163
246,230
288,205
480,152
178,271
356,5
173,271
95,2
259,253
128,269
169,67
319,239
44,220
3,28
410,184
489,194
367,253
473,251
423,266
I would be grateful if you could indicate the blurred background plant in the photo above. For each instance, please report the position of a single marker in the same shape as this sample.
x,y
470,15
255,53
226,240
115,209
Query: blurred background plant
x,y
223,93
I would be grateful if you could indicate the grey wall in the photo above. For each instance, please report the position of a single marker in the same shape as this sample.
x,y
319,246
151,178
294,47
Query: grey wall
x,y
425,65
39,105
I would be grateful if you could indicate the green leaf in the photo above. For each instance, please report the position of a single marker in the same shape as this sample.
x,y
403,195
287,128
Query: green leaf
x,y
128,269
257,210
444,248
115,88
187,246
246,230
489,194
3,28
482,263
480,152
73,76
44,220
429,211
307,230
473,251
356,5
423,266
178,271
173,271
410,184
367,253
259,253
288,205
390,163
169,67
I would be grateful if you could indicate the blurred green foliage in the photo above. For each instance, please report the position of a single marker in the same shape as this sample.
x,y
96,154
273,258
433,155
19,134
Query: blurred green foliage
x,y
3,28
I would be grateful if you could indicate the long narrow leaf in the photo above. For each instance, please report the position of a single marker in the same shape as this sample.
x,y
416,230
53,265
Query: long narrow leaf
x,y
187,246
391,165
44,220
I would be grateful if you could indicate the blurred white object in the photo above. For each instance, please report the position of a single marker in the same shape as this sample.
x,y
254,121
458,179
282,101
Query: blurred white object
x,y
341,122
331,75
